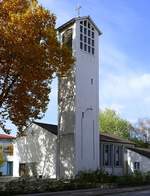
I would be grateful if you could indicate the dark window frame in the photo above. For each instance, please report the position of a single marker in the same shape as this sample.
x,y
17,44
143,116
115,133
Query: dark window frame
x,y
118,156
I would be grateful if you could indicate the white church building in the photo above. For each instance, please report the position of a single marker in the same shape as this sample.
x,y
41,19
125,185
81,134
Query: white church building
x,y
77,143
78,99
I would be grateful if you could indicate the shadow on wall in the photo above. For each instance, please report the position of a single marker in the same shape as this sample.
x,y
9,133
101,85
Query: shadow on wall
x,y
66,123
137,162
38,151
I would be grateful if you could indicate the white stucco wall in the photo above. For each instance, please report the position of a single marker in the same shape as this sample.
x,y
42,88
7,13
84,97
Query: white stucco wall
x,y
87,102
76,97
136,157
38,146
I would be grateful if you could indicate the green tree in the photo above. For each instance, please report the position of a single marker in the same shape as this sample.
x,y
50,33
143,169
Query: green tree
x,y
110,122
30,56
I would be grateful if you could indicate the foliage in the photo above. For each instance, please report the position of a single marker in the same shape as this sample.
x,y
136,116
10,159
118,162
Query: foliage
x,y
142,129
84,180
110,122
140,143
30,55
1,156
98,176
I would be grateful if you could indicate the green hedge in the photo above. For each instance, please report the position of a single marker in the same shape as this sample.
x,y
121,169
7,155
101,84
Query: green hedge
x,y
89,179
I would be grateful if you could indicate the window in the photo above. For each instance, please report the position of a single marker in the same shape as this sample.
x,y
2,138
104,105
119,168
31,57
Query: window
x,y
92,50
67,38
85,23
81,45
106,155
9,168
137,166
118,156
92,42
87,35
22,169
92,34
92,80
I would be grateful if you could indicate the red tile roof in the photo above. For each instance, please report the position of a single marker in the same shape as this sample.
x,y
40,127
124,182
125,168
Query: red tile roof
x,y
4,136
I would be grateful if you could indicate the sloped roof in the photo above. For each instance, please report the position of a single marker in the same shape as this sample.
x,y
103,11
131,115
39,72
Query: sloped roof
x,y
143,151
115,139
73,20
49,127
6,136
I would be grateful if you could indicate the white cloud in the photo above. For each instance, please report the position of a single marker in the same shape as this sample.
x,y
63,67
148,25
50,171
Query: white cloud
x,y
114,106
126,86
141,82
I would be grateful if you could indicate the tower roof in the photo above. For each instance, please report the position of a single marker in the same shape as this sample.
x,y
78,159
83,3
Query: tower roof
x,y
73,20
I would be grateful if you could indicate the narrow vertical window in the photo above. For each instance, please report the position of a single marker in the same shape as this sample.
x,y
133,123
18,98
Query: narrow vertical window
x,y
85,23
92,34
92,42
118,156
81,45
92,50
89,49
85,47
107,155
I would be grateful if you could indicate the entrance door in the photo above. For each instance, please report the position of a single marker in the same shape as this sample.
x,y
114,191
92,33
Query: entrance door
x,y
23,171
9,168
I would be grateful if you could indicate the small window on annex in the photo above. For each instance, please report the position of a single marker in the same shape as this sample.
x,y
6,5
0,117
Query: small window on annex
x,y
137,166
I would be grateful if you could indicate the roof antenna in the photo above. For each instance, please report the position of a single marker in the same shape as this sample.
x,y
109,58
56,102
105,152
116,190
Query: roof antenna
x,y
78,8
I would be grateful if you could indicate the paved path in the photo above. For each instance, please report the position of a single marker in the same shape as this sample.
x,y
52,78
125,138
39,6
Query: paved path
x,y
132,191
137,193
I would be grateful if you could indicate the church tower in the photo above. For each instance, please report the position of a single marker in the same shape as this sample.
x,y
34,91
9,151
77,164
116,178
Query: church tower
x,y
78,100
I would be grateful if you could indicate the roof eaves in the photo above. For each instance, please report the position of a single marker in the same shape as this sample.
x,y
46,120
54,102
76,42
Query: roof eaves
x,y
67,24
109,138
141,151
70,22
49,127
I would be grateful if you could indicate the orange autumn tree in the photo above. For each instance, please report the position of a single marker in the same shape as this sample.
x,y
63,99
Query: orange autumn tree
x,y
30,55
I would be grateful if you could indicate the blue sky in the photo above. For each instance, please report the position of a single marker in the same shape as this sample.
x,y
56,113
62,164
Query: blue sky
x,y
124,53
